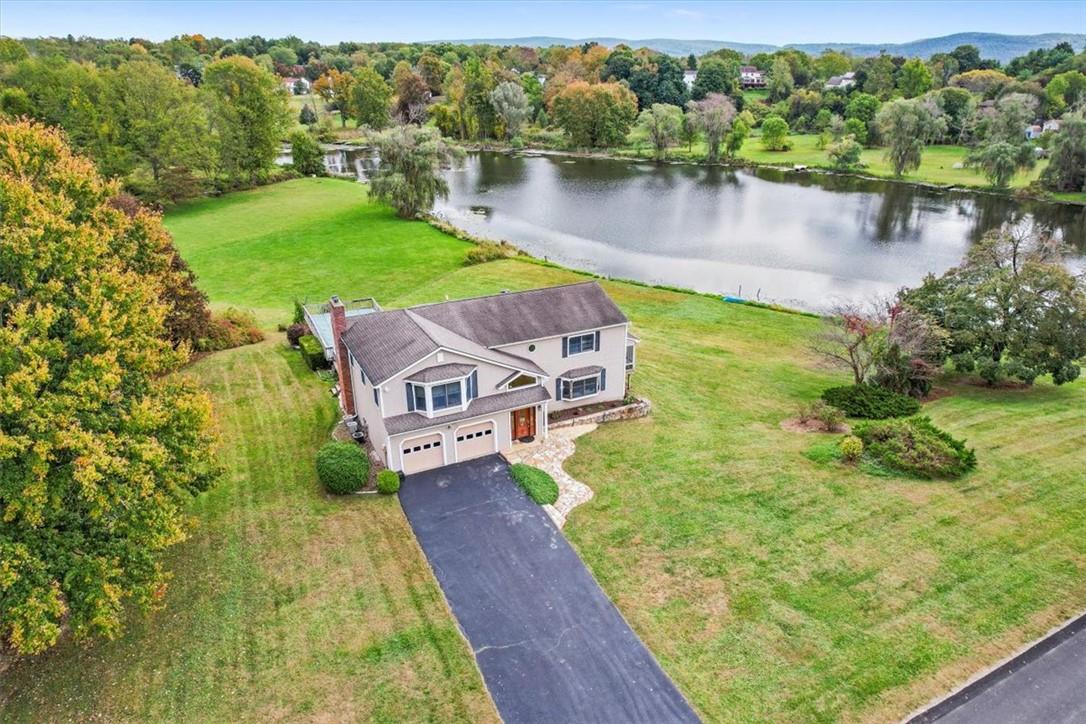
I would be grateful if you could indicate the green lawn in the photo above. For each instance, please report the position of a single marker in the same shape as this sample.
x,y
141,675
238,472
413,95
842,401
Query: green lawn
x,y
936,165
285,604
308,238
749,569
771,587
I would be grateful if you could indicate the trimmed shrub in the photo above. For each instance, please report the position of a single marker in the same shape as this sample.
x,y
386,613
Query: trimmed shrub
x,y
851,447
539,486
231,328
388,482
485,251
871,402
916,447
312,352
342,467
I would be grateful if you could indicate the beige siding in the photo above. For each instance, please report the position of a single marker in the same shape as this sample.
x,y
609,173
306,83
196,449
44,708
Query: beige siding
x,y
367,410
611,356
395,390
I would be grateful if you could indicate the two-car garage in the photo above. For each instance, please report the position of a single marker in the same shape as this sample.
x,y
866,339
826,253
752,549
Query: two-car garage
x,y
428,451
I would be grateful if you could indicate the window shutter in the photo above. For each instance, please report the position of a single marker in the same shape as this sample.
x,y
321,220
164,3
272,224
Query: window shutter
x,y
603,378
473,385
565,346
558,386
410,398
596,342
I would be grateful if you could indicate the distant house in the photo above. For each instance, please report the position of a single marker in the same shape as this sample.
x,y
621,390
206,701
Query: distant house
x,y
689,76
1035,130
293,84
841,82
751,77
440,383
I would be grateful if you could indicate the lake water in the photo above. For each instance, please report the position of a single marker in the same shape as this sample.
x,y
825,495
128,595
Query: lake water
x,y
802,239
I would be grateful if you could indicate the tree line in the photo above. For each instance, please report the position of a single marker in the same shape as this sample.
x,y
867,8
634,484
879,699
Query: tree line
x,y
227,102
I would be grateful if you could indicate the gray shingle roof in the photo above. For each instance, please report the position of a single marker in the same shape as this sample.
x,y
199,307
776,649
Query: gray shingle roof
x,y
440,372
387,342
520,316
411,421
581,372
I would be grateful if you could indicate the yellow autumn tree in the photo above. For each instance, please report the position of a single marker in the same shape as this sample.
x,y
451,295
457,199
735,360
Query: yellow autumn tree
x,y
102,443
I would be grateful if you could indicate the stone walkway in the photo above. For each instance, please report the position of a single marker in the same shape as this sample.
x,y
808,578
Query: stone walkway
x,y
549,454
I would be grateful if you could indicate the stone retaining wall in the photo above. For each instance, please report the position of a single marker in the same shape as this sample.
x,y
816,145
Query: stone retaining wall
x,y
634,410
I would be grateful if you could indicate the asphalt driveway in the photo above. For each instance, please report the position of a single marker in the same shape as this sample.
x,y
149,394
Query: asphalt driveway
x,y
551,646
1045,683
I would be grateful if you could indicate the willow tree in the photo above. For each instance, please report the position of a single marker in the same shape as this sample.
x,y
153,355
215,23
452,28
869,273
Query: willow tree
x,y
409,175
712,116
101,444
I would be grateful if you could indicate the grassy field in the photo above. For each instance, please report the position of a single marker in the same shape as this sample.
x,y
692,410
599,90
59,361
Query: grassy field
x,y
308,238
285,604
771,587
936,165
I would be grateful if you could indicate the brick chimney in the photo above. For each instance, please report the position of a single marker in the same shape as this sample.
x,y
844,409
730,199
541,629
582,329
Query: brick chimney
x,y
343,369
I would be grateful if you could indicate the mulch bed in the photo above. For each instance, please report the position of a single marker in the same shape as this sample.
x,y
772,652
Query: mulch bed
x,y
794,424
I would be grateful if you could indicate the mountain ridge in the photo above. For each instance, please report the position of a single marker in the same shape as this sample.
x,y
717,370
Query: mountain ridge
x,y
999,46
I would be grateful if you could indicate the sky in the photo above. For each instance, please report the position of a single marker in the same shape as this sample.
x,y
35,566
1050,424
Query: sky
x,y
328,21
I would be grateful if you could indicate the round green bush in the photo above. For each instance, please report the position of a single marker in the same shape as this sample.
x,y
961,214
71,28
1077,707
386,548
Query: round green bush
x,y
538,484
342,467
388,482
871,402
851,447
916,447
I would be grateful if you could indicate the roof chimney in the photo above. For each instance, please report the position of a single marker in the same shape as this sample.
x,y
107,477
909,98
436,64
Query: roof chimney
x,y
339,354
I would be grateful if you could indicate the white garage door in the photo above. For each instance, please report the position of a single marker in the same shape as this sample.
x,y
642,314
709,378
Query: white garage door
x,y
473,441
422,453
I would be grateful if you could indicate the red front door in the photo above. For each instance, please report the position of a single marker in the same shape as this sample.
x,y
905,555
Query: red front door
x,y
523,422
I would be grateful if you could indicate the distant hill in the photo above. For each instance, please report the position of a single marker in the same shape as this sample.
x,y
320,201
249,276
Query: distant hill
x,y
992,45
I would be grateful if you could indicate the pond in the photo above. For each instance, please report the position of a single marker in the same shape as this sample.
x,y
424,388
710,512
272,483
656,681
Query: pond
x,y
797,238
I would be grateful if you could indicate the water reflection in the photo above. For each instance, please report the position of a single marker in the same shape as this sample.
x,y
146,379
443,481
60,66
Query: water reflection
x,y
801,238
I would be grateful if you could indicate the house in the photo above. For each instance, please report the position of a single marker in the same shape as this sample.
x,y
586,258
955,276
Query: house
x,y
441,383
841,82
293,84
751,77
689,76
1050,126
1033,131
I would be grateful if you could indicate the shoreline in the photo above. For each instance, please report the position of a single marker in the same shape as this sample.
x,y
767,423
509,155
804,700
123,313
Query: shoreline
x,y
1020,194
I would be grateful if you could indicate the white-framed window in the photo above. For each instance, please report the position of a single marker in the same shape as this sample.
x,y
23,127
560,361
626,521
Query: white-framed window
x,y
446,395
631,356
580,388
581,343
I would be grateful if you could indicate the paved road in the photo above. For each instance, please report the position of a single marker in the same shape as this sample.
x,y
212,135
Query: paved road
x,y
1046,683
551,646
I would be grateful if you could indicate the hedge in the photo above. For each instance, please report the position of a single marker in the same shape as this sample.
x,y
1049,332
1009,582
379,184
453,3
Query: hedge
x,y
312,352
539,486
342,467
871,402
388,482
915,446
